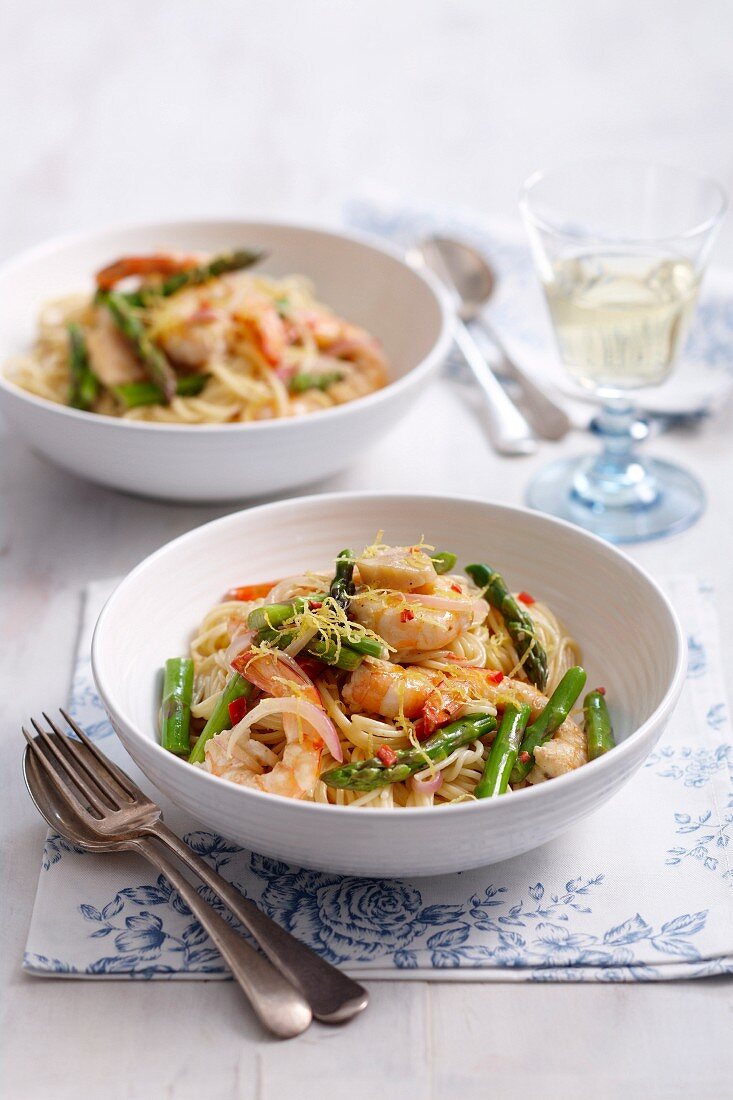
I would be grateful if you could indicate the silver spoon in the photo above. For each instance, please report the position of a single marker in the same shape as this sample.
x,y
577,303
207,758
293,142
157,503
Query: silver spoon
x,y
280,1007
475,281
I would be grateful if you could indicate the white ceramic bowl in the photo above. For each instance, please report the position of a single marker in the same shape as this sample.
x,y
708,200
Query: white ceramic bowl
x,y
365,281
631,639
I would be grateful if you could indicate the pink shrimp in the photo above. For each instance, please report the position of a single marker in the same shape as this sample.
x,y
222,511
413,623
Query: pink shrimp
x,y
433,697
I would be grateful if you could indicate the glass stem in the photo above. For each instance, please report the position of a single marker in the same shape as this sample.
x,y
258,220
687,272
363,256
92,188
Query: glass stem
x,y
616,478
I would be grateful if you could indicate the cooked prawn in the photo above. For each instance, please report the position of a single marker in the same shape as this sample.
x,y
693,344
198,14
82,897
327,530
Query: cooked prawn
x,y
566,750
159,263
236,756
409,623
381,687
348,348
202,323
261,323
191,327
390,689
243,760
400,568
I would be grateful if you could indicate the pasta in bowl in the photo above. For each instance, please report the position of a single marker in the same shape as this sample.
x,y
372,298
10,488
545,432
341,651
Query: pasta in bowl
x,y
286,363
630,639
198,339
394,682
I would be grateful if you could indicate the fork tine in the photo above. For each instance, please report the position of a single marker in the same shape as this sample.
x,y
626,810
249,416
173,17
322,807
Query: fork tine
x,y
68,770
72,747
121,777
65,792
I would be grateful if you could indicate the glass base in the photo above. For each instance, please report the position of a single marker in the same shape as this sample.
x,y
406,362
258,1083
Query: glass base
x,y
665,499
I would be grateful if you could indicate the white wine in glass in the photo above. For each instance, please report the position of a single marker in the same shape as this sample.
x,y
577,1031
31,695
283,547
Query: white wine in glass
x,y
620,317
620,248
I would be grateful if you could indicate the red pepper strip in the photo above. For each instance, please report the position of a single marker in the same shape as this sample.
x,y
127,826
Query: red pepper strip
x,y
250,591
387,755
526,598
437,710
237,710
406,616
494,676
457,588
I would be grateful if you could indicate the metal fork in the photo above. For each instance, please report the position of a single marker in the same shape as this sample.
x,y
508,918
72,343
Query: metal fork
x,y
50,773
119,811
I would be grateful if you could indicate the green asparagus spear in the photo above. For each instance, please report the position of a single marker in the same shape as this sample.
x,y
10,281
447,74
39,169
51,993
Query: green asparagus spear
x,y
202,273
344,656
84,383
272,619
342,586
303,381
236,688
518,623
559,705
134,394
368,775
237,260
598,729
367,647
152,358
504,752
175,709
277,614
443,561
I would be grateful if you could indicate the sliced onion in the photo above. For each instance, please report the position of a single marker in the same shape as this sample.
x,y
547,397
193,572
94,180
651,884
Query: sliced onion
x,y
275,673
300,642
300,709
426,786
238,644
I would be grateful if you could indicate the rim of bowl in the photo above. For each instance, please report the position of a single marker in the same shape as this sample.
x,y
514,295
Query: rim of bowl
x,y
421,369
538,792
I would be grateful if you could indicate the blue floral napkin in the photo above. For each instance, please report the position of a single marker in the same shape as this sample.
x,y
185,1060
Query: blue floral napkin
x,y
640,891
700,382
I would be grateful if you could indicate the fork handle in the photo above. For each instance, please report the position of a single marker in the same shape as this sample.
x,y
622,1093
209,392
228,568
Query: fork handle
x,y
280,1007
332,996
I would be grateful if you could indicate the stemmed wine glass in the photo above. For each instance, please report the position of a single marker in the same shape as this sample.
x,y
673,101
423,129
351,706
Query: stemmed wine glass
x,y
620,248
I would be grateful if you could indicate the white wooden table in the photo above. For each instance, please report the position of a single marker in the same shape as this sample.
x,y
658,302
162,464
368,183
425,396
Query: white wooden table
x,y
115,112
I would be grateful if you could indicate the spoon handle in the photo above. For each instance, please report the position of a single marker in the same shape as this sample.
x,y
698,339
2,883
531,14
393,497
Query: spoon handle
x,y
281,1008
332,996
509,432
548,418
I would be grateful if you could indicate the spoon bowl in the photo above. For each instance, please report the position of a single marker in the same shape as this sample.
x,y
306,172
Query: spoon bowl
x,y
466,269
57,813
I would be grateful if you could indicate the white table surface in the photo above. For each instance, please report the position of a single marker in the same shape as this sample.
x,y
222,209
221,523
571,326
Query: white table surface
x,y
138,109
